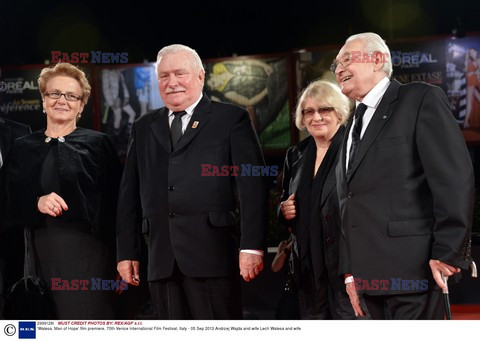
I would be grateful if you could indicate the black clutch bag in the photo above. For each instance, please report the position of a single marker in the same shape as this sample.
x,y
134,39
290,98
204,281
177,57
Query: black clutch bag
x,y
28,298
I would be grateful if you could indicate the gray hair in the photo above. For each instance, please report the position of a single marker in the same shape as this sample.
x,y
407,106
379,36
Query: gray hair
x,y
174,48
325,91
374,43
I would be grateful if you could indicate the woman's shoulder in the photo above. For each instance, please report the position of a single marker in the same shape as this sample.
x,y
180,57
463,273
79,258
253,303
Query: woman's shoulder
x,y
295,152
301,146
89,132
87,135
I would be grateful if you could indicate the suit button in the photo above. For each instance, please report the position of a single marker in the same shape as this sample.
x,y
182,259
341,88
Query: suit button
x,y
171,188
328,218
330,239
172,215
350,195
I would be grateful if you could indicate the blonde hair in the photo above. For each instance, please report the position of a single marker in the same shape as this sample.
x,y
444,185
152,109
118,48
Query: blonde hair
x,y
69,70
327,92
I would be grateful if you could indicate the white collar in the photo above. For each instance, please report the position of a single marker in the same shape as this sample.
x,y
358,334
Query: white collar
x,y
190,109
372,99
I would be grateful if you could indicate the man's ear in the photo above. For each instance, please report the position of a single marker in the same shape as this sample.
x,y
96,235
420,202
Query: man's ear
x,y
378,59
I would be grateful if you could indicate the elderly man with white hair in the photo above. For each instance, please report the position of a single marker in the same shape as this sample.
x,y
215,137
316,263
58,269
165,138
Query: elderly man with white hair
x,y
406,187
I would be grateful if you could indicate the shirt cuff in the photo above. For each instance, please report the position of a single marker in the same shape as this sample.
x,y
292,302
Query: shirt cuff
x,y
255,252
349,279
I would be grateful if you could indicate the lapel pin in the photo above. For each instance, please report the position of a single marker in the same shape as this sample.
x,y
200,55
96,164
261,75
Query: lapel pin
x,y
384,117
195,124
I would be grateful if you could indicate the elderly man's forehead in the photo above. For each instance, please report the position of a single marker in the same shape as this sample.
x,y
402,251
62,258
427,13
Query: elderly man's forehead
x,y
354,45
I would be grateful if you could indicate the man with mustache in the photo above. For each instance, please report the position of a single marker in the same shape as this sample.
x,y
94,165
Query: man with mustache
x,y
406,186
194,260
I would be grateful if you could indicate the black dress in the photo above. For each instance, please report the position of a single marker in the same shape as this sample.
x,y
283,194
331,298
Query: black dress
x,y
78,245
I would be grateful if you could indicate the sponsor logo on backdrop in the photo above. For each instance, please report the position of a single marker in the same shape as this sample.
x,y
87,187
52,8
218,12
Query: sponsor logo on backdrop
x,y
411,59
17,85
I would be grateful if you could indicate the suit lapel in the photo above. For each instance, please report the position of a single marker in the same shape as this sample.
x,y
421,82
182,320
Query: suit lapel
x,y
297,167
5,138
379,119
343,148
161,130
328,186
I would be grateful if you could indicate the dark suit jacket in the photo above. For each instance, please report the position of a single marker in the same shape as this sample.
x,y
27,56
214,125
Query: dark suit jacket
x,y
189,217
11,241
9,131
409,196
292,178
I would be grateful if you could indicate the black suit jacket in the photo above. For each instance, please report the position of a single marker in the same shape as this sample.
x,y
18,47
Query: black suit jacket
x,y
189,217
328,247
11,241
409,196
9,131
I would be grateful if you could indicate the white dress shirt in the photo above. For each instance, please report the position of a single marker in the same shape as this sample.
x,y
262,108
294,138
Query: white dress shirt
x,y
185,118
371,100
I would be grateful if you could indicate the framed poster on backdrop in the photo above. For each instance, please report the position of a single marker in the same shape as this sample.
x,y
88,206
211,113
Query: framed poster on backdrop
x,y
21,101
260,85
125,93
463,84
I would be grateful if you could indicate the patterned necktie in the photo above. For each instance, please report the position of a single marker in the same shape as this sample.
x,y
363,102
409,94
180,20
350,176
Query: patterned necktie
x,y
176,128
356,133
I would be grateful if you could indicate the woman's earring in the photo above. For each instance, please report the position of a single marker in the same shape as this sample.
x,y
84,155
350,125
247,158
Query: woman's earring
x,y
44,111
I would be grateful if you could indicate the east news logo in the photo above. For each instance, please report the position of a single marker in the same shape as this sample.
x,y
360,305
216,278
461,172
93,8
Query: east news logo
x,y
27,330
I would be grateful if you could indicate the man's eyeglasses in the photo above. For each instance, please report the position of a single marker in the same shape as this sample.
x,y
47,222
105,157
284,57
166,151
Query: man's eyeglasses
x,y
68,96
323,112
344,62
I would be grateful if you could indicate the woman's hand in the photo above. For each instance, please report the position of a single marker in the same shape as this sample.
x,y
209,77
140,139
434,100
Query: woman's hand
x,y
52,204
288,207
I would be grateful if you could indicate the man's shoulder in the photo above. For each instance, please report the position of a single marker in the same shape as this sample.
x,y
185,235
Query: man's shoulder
x,y
30,139
418,86
17,126
149,117
227,109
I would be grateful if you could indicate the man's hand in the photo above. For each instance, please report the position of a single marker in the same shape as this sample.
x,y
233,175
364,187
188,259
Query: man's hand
x,y
250,265
130,271
438,268
288,207
354,299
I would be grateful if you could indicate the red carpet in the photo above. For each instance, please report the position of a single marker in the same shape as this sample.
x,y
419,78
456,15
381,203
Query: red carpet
x,y
466,311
